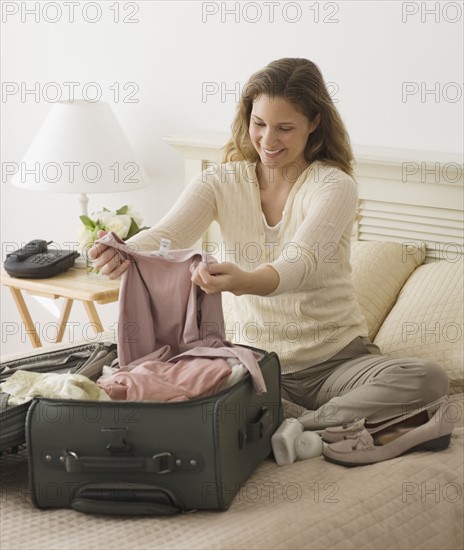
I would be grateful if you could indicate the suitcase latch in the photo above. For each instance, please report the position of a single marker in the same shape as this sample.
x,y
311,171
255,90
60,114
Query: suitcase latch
x,y
164,462
117,442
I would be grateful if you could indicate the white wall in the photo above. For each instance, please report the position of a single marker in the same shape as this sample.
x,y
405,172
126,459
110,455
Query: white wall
x,y
368,50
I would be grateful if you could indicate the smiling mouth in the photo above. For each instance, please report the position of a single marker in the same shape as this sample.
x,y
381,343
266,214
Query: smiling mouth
x,y
271,153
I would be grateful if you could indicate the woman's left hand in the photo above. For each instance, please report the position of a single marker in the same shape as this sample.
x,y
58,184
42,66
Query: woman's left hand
x,y
219,277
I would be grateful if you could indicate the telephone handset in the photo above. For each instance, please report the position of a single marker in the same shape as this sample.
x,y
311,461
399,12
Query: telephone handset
x,y
36,261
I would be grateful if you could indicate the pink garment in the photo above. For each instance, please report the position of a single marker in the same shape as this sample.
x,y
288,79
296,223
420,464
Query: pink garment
x,y
159,381
164,316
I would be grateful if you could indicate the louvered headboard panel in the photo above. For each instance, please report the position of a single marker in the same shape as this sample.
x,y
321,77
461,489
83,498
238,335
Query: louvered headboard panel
x,y
411,196
405,196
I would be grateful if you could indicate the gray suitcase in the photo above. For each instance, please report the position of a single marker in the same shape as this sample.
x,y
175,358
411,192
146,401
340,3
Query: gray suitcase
x,y
128,457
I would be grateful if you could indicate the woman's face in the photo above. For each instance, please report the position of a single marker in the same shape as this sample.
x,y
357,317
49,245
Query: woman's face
x,y
279,132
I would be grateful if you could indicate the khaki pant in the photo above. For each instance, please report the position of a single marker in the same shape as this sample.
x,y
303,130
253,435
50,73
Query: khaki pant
x,y
360,382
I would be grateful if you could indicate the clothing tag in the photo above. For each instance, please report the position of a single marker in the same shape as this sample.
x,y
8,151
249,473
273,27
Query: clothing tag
x,y
165,245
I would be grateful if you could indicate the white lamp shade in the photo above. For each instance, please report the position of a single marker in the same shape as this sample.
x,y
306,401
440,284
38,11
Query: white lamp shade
x,y
80,148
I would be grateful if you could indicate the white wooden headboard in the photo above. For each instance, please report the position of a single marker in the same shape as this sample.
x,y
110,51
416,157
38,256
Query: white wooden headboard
x,y
404,196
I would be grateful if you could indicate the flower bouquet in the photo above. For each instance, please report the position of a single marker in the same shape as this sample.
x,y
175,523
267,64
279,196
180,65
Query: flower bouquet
x,y
125,222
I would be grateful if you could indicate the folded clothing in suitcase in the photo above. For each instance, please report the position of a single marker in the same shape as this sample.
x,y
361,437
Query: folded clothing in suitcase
x,y
87,359
144,457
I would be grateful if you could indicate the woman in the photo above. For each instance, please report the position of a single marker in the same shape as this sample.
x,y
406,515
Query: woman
x,y
286,201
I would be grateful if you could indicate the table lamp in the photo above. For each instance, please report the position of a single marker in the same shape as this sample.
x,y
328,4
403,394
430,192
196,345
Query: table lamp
x,y
81,148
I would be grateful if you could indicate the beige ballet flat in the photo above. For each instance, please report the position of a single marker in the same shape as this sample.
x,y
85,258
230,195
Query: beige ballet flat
x,y
339,433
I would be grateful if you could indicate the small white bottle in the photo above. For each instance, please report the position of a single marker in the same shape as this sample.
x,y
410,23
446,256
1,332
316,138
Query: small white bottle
x,y
308,445
283,441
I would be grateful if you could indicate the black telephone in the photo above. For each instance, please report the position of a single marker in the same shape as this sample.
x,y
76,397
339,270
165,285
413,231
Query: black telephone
x,y
35,261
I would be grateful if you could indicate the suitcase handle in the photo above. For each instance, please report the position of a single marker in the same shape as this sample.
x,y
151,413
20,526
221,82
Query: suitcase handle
x,y
160,463
154,502
80,464
255,431
89,506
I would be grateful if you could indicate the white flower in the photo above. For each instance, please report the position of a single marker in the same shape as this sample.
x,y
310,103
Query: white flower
x,y
108,221
136,216
103,217
84,236
119,225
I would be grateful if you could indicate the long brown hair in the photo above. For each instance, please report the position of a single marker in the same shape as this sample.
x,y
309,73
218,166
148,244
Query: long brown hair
x,y
300,82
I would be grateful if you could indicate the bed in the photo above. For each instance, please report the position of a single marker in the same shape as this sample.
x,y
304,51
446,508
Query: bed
x,y
407,268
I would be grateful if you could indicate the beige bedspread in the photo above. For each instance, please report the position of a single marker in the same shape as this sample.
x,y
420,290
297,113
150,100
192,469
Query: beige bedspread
x,y
415,501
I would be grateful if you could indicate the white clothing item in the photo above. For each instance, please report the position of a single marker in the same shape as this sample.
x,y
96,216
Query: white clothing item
x,y
23,386
271,232
238,372
108,371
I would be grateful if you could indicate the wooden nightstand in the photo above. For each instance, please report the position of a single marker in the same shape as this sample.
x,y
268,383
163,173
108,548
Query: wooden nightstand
x,y
74,284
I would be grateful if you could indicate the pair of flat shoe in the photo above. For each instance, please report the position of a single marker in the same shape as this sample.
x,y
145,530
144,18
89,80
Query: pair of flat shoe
x,y
356,444
338,433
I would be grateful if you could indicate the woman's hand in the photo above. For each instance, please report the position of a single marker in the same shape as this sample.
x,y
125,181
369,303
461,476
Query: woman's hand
x,y
227,276
213,278
107,260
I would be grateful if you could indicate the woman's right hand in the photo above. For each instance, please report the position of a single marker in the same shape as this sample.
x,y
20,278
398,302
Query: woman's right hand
x,y
106,259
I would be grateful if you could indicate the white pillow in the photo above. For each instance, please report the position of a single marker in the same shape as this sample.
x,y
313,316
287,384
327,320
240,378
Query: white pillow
x,y
380,269
427,319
